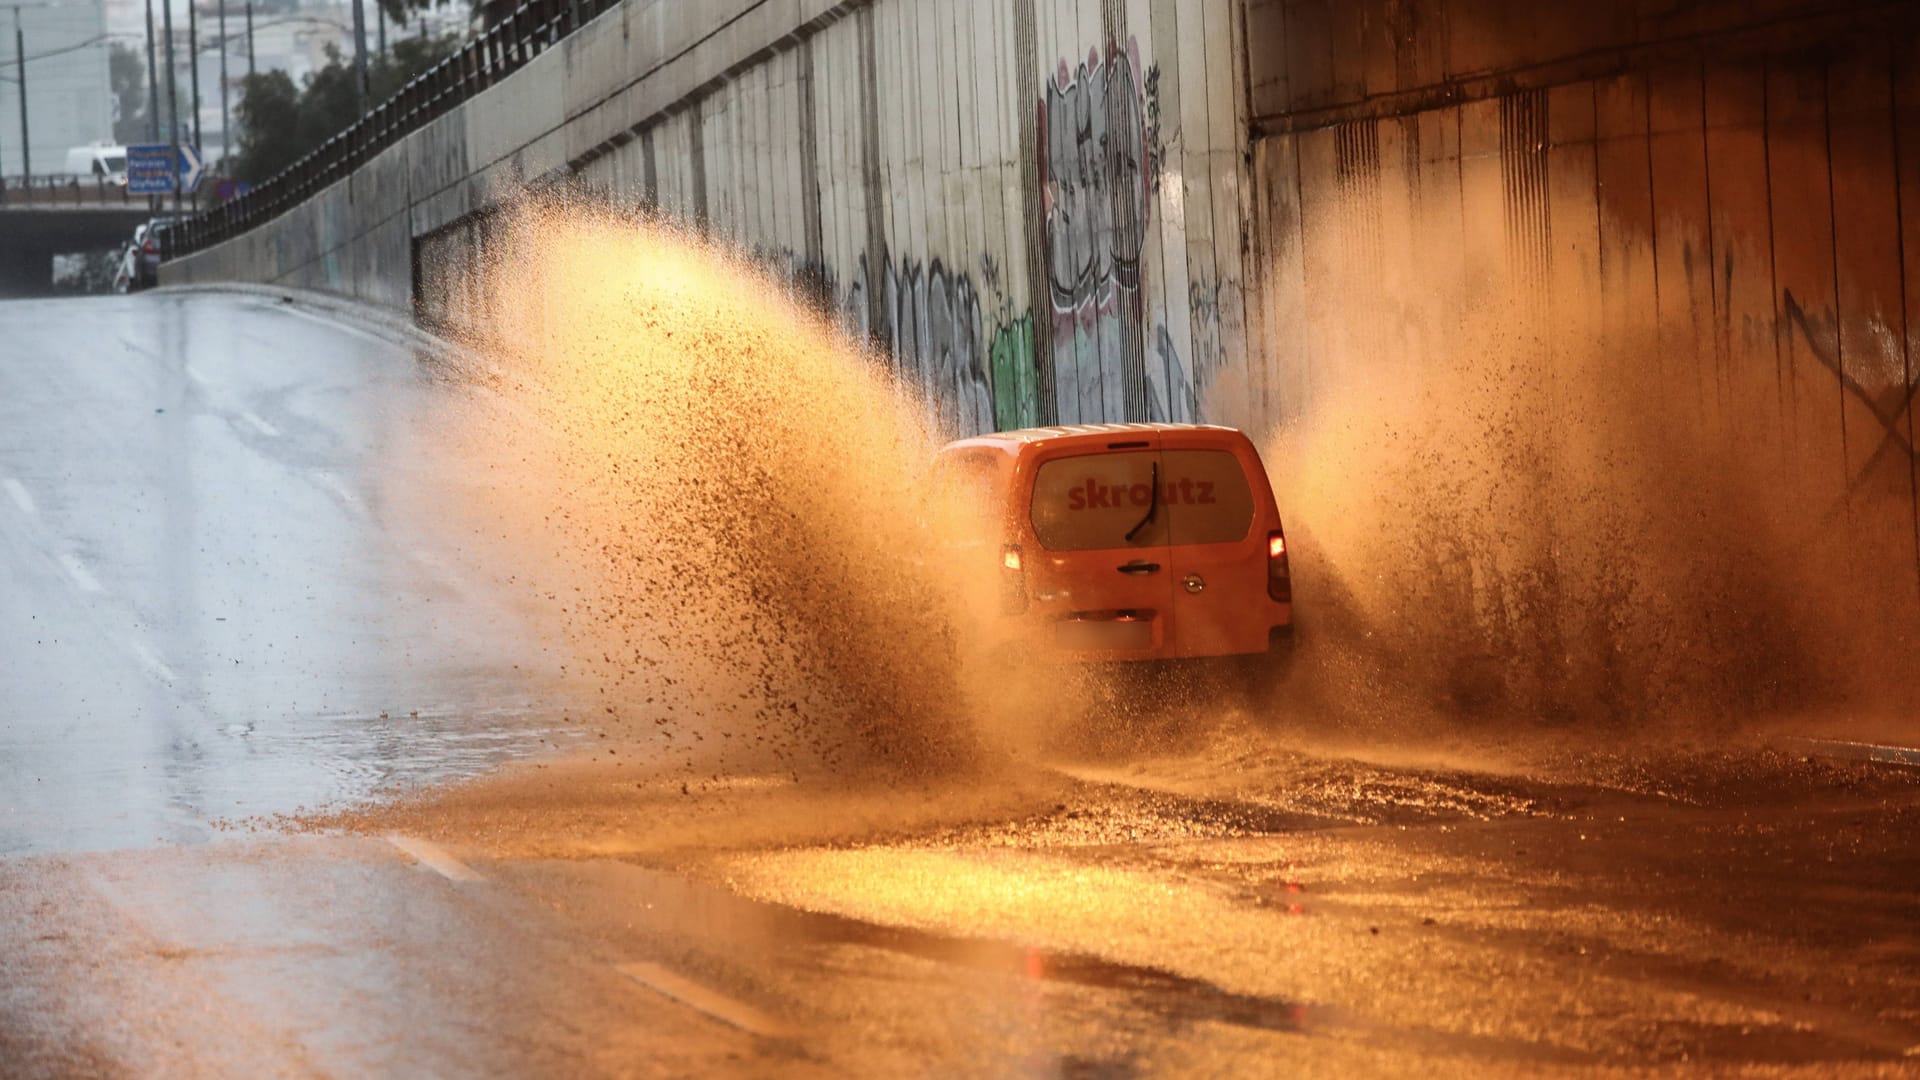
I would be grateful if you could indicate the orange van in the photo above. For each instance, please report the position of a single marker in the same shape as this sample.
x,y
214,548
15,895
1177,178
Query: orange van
x,y
1130,542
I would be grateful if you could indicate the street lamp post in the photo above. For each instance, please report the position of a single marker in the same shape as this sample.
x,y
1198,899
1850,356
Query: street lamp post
x,y
20,68
153,83
173,102
360,52
226,120
193,77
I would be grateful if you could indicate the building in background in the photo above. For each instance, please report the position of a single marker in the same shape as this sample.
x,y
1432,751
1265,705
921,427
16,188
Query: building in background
x,y
69,94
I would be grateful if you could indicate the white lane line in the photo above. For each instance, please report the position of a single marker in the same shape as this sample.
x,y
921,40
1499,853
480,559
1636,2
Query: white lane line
x,y
715,1004
21,499
259,424
339,323
430,560
433,858
338,487
81,576
196,375
1861,751
152,661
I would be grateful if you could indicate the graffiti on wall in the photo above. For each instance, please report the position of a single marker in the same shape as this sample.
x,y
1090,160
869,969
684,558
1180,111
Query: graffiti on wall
x,y
930,324
973,353
1178,403
1891,410
1096,164
1016,383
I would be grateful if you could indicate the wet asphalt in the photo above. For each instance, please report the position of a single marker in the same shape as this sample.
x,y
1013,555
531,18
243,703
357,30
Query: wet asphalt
x,y
287,787
226,589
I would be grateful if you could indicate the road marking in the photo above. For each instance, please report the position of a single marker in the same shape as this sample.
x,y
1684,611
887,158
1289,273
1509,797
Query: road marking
x,y
431,561
81,576
290,307
338,487
152,660
195,374
21,499
259,424
715,1004
1860,751
434,858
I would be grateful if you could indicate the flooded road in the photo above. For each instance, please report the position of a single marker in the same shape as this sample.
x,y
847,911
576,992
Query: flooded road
x,y
303,772
228,590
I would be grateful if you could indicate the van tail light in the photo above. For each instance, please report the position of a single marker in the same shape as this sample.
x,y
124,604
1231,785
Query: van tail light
x,y
1279,580
151,247
1013,581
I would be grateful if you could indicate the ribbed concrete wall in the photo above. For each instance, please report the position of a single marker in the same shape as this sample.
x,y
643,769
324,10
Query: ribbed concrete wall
x,y
1062,210
1711,208
1038,206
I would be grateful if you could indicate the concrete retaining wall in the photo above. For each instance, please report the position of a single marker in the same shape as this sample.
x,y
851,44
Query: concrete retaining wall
x,y
1022,200
1585,334
1066,210
1709,214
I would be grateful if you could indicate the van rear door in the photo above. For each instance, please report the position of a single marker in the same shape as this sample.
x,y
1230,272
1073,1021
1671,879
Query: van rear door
x,y
1100,582
1217,493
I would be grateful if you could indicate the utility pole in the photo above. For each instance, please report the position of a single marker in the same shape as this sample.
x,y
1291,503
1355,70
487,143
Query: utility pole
x,y
20,68
153,83
193,77
249,39
380,20
226,119
173,102
360,53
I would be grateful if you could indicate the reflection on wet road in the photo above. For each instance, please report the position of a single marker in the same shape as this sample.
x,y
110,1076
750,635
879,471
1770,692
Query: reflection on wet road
x,y
293,781
227,589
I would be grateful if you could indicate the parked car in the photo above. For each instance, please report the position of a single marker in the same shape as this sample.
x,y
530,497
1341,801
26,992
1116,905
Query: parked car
x,y
126,271
144,251
1130,542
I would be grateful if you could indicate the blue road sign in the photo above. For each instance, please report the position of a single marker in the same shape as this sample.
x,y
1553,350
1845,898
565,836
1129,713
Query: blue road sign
x,y
151,169
190,169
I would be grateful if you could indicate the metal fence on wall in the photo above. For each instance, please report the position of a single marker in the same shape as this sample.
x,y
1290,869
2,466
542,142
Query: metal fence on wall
x,y
505,48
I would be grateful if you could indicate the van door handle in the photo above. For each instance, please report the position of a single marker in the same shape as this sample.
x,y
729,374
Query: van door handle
x,y
1140,567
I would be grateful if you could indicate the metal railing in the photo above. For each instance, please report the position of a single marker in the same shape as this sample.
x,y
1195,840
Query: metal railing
x,y
63,191
505,48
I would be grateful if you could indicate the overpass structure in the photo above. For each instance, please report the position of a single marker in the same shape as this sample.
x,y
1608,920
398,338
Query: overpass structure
x,y
30,236
1584,217
56,215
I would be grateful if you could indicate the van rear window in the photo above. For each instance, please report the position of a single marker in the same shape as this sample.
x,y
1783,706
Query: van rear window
x,y
1091,501
1207,496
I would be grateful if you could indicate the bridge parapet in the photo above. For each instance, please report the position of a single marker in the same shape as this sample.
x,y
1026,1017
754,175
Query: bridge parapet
x,y
65,192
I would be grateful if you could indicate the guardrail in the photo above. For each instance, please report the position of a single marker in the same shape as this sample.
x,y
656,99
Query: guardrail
x,y
59,191
505,48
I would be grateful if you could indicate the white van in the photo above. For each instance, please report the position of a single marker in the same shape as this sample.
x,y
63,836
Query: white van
x,y
100,161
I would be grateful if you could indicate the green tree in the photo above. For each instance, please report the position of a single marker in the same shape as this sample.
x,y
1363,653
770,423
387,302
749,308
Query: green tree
x,y
278,123
127,74
329,104
268,119
405,58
